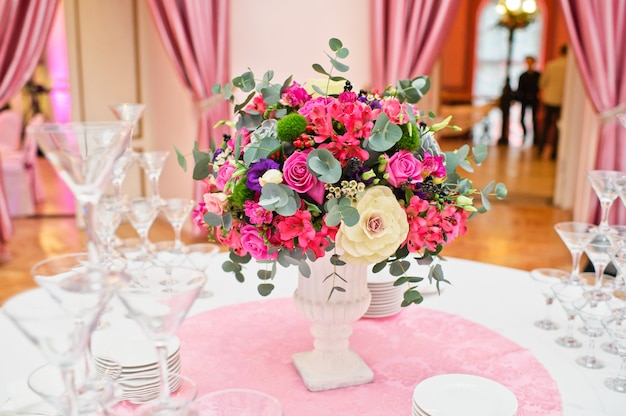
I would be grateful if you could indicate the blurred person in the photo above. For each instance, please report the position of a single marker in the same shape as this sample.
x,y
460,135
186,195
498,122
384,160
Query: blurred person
x,y
551,85
528,95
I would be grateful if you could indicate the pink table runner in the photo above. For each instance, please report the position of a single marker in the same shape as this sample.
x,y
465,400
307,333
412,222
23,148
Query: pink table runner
x,y
249,345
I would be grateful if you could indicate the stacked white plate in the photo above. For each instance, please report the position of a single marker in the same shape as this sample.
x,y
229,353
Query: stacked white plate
x,y
133,357
386,298
462,394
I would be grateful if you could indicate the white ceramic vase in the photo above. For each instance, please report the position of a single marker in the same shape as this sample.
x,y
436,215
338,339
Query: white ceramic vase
x,y
332,363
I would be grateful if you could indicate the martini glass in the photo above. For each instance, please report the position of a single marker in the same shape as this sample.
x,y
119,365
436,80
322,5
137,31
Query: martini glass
x,y
575,235
592,312
603,184
598,254
176,211
131,113
158,299
567,292
141,212
615,326
54,330
83,154
201,256
545,278
152,164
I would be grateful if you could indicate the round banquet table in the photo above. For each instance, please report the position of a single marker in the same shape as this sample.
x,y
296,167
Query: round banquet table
x,y
481,324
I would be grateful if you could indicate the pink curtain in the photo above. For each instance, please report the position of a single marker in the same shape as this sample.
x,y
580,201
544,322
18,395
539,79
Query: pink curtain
x,y
24,28
195,36
407,37
597,30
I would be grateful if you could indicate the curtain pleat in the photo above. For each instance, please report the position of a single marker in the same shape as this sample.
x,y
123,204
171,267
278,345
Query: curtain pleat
x,y
407,37
597,31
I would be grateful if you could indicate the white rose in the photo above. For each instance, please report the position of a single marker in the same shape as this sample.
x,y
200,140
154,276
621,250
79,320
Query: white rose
x,y
382,227
271,176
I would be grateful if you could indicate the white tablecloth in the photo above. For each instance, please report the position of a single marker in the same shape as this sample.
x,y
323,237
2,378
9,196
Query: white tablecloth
x,y
503,299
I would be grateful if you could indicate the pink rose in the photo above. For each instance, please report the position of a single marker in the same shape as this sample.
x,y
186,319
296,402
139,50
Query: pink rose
x,y
253,243
296,174
403,167
224,173
215,202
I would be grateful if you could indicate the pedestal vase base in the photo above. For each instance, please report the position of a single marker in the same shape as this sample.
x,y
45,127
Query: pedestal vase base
x,y
331,370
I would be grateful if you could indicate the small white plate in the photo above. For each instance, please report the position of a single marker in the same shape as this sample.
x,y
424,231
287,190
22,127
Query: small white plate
x,y
464,394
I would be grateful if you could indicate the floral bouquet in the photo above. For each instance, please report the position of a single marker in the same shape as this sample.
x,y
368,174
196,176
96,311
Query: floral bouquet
x,y
312,171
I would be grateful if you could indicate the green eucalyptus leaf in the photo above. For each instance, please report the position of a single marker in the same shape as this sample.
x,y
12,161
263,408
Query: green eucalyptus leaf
x,y
318,68
485,201
230,267
216,88
343,53
384,135
399,267
400,281
273,196
339,66
245,81
335,44
182,162
212,219
227,92
333,217
501,190
265,289
319,90
412,296
267,77
260,150
324,166
304,269
349,215
271,94
378,267
240,277
480,153
202,169
264,274
288,209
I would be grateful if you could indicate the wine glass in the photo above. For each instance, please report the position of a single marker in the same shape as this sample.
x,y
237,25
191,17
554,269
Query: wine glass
x,y
54,330
158,299
131,113
545,278
615,326
567,292
592,312
603,184
201,257
83,154
176,211
141,212
575,235
152,164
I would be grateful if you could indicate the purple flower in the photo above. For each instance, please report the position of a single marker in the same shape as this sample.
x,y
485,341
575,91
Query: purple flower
x,y
257,170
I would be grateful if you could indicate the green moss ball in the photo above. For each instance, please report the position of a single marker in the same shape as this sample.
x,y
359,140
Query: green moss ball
x,y
410,142
241,193
290,127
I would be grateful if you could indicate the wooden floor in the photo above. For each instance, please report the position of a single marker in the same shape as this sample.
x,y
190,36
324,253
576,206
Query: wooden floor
x,y
517,232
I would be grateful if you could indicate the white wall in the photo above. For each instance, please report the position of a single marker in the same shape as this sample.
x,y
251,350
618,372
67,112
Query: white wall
x,y
288,36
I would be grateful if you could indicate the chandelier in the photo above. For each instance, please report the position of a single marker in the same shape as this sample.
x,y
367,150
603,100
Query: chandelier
x,y
516,14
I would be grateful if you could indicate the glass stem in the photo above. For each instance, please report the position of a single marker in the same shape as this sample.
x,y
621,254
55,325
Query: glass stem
x,y
161,350
576,264
178,244
93,243
70,389
599,275
549,302
569,330
591,351
604,221
621,373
